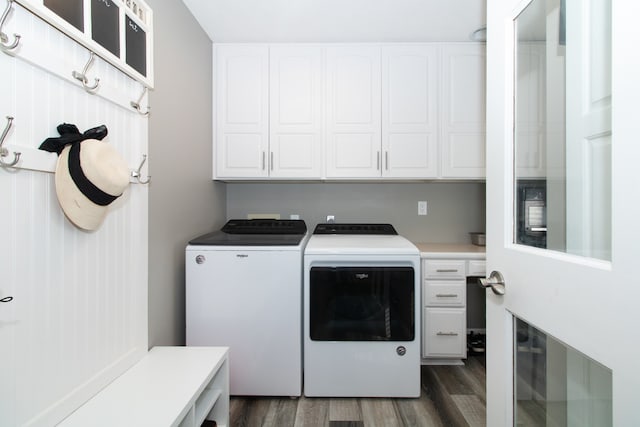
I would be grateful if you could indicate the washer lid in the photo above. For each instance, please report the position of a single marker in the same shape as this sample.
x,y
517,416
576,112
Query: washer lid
x,y
265,226
255,232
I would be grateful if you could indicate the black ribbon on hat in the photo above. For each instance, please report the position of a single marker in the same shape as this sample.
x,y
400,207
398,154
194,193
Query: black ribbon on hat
x,y
69,134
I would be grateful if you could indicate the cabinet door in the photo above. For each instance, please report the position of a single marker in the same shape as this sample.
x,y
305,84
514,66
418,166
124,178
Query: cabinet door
x,y
463,110
409,111
444,332
295,141
242,116
353,112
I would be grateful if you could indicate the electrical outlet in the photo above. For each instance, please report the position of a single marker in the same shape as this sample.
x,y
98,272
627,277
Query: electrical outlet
x,y
422,208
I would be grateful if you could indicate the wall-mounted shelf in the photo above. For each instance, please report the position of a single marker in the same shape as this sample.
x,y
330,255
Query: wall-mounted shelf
x,y
119,31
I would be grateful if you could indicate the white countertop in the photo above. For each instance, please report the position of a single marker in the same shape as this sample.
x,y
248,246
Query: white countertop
x,y
451,251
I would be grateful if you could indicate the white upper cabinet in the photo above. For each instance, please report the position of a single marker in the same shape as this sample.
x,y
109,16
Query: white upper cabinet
x,y
349,111
353,111
410,111
241,111
295,135
462,111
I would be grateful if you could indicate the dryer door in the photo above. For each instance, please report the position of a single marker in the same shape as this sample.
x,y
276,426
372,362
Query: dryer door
x,y
362,303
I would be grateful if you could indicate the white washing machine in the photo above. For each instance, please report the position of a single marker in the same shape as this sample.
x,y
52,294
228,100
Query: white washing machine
x,y
361,312
244,290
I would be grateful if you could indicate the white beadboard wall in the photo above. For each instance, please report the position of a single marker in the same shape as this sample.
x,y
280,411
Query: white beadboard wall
x,y
79,314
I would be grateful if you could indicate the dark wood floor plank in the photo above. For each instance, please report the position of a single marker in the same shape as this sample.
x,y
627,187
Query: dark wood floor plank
x,y
418,412
433,380
475,377
239,409
453,379
346,424
282,412
312,412
345,409
379,412
471,408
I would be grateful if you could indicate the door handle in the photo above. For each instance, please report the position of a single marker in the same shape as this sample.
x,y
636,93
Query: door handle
x,y
495,282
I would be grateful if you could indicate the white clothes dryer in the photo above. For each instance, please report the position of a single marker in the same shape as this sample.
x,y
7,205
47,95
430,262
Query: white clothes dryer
x,y
361,312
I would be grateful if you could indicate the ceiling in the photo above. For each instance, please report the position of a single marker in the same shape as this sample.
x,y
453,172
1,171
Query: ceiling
x,y
273,21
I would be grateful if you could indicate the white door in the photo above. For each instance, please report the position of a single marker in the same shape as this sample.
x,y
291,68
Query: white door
x,y
353,111
409,111
462,98
241,111
295,141
572,309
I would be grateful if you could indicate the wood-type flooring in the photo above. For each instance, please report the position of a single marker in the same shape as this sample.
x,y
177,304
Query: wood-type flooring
x,y
451,396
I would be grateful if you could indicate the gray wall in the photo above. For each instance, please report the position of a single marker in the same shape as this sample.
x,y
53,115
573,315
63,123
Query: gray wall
x,y
454,209
183,200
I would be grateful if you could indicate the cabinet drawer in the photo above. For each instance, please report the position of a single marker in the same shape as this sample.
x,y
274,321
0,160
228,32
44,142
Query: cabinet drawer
x,y
444,269
445,293
444,332
477,268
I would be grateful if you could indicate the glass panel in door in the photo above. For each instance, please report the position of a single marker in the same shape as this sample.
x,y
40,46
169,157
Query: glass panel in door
x,y
562,135
556,385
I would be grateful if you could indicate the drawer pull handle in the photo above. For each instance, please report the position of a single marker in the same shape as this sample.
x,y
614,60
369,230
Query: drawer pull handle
x,y
446,295
447,270
447,334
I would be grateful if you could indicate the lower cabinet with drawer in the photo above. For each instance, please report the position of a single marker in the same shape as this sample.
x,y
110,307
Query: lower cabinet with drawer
x,y
450,307
444,332
444,316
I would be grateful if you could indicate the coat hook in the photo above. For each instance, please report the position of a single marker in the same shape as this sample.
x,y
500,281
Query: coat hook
x,y
136,104
137,173
4,40
82,77
3,150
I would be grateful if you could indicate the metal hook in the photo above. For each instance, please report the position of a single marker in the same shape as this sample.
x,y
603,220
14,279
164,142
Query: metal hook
x,y
136,104
3,150
6,299
4,40
82,77
137,173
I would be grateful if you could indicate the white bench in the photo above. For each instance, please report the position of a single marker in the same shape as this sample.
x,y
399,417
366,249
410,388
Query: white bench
x,y
169,386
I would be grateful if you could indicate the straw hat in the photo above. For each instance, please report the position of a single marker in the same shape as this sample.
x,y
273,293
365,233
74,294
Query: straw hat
x,y
89,176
